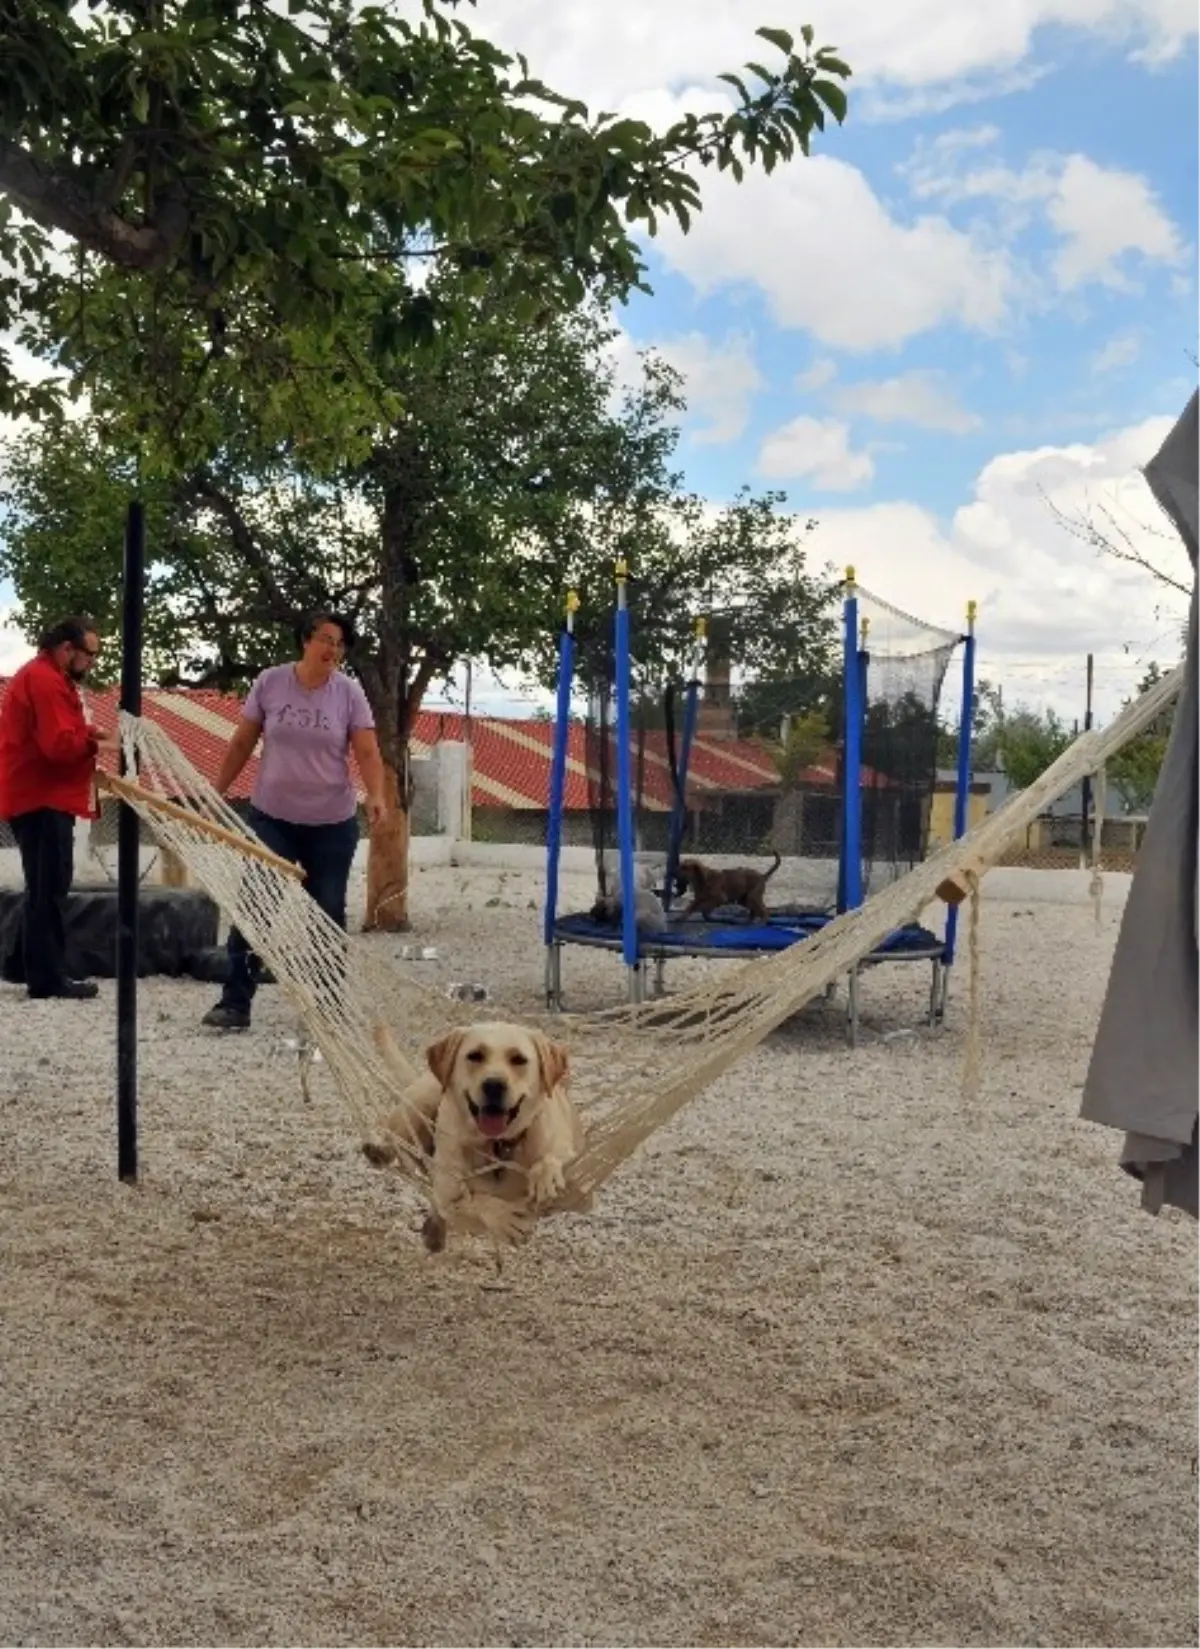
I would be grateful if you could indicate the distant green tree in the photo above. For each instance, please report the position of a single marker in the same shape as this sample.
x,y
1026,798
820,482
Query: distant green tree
x,y
805,742
1028,741
1134,770
987,717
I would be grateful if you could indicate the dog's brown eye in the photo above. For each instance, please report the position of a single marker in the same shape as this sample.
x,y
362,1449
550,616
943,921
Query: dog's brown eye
x,y
475,1057
517,1059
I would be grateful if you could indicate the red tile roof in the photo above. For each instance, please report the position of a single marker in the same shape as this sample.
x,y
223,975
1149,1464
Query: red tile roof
x,y
510,757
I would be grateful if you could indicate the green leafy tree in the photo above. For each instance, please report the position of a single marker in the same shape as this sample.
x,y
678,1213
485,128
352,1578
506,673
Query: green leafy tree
x,y
241,188
1134,770
508,479
805,742
987,719
1028,742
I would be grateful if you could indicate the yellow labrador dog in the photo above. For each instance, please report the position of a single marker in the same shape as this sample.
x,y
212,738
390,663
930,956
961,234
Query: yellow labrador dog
x,y
498,1120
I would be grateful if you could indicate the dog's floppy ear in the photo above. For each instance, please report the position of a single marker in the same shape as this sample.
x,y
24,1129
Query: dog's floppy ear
x,y
552,1062
442,1054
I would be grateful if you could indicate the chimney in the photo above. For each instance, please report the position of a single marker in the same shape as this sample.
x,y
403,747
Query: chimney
x,y
715,719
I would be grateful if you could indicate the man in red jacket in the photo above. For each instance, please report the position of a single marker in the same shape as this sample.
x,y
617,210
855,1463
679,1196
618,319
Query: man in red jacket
x,y
47,773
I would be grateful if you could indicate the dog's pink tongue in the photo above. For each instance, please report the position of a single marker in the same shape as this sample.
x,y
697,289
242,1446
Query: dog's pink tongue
x,y
492,1123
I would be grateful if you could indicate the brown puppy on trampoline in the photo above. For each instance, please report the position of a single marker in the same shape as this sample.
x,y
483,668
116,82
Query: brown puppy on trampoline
x,y
711,888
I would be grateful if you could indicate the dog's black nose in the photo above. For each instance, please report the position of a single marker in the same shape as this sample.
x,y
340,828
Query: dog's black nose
x,y
495,1093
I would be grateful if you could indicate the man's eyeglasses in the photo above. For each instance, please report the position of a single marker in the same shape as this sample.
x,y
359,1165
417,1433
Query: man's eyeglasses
x,y
89,652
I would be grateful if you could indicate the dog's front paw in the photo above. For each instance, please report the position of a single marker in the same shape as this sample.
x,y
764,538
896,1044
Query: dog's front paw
x,y
546,1181
508,1223
513,1224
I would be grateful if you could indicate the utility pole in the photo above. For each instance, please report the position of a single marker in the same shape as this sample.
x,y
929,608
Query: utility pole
x,y
1085,789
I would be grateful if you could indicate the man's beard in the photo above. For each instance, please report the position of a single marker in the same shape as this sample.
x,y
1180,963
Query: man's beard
x,y
78,672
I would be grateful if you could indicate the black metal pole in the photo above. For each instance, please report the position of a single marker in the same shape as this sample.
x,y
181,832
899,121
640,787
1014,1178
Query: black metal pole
x,y
128,867
1085,791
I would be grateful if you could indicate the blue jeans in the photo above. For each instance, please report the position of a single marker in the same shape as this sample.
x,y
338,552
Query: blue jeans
x,y
325,853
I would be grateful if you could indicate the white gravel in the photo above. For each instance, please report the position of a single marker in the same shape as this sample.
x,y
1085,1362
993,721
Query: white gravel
x,y
840,1358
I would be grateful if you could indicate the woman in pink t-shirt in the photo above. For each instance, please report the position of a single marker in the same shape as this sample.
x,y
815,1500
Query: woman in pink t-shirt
x,y
311,717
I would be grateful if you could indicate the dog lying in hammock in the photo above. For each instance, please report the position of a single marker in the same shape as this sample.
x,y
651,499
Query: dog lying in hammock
x,y
739,885
496,1117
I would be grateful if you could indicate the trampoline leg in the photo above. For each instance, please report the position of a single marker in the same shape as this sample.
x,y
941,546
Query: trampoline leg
x,y
635,983
935,993
852,1007
554,977
660,977
943,993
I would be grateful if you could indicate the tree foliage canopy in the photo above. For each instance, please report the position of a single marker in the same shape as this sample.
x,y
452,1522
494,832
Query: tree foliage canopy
x,y
196,190
515,473
1134,770
309,264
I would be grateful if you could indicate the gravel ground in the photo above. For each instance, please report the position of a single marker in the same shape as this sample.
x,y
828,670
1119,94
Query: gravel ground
x,y
840,1358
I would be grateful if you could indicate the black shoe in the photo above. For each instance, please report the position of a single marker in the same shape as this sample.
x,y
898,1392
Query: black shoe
x,y
74,990
222,1018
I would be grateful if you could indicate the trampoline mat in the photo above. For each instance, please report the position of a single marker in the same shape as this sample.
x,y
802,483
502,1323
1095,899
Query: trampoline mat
x,y
779,932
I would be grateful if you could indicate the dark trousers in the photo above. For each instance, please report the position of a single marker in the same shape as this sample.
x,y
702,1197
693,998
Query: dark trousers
x,y
325,853
46,838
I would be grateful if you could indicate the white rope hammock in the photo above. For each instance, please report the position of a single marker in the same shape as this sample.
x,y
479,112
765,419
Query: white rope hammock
x,y
633,1068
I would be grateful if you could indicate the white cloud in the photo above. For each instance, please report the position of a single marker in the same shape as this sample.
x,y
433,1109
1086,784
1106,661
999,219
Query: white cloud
x,y
1100,215
606,54
921,102
816,377
1046,599
1121,350
720,380
14,649
818,451
917,397
831,239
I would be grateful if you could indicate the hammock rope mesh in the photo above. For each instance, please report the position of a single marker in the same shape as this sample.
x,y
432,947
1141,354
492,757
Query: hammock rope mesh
x,y
633,1067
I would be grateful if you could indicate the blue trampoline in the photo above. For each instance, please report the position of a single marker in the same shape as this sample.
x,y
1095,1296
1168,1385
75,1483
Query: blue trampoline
x,y
689,936
733,933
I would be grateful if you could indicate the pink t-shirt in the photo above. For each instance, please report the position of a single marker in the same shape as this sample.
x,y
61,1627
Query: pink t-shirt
x,y
304,763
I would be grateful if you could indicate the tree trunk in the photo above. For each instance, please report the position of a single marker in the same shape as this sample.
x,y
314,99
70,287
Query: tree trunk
x,y
387,863
172,870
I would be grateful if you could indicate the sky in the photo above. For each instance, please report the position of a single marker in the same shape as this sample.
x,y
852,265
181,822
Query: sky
x,y
973,307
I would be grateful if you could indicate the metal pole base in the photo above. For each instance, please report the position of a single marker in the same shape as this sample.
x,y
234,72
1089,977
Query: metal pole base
x,y
941,993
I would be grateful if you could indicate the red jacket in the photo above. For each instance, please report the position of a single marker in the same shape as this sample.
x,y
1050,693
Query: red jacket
x,y
47,754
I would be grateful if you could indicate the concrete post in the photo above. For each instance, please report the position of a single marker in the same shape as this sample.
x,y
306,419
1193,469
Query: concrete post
x,y
454,790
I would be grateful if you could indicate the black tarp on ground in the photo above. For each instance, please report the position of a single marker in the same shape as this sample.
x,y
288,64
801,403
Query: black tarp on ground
x,y
174,925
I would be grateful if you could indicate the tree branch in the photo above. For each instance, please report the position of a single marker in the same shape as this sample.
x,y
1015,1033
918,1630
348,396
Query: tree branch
x,y
1115,540
59,199
205,489
417,689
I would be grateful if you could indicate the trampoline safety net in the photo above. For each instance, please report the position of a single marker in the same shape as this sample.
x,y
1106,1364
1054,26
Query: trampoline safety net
x,y
765,772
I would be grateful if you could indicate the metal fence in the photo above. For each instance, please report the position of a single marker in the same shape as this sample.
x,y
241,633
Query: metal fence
x,y
1059,842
